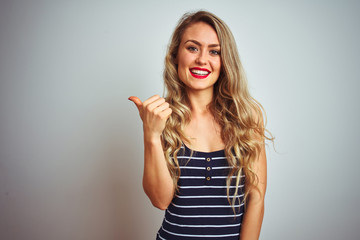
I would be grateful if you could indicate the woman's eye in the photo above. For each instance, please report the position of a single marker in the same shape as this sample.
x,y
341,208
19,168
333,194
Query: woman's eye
x,y
215,52
192,49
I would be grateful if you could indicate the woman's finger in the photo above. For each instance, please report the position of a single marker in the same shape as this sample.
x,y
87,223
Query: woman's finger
x,y
161,107
150,100
155,104
137,102
166,113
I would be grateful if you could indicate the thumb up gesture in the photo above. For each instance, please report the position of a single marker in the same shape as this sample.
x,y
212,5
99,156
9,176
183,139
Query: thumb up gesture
x,y
154,113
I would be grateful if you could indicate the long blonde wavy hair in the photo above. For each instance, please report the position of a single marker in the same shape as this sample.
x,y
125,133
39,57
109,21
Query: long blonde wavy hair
x,y
239,115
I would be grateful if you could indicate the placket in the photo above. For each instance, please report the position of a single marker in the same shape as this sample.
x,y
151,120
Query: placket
x,y
208,170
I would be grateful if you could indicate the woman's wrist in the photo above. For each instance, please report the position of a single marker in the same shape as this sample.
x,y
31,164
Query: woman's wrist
x,y
152,138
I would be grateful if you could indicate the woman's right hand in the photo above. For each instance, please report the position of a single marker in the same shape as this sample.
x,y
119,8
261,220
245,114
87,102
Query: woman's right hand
x,y
154,113
157,181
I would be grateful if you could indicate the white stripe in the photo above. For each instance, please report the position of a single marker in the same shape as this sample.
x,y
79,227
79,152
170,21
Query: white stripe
x,y
218,177
203,216
206,206
209,196
186,187
199,158
202,168
213,177
215,226
192,177
222,167
161,237
190,235
226,176
196,158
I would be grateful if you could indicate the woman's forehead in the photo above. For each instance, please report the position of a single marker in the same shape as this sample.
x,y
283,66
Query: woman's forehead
x,y
202,33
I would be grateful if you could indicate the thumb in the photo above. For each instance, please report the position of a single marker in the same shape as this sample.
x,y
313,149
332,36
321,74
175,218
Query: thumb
x,y
137,102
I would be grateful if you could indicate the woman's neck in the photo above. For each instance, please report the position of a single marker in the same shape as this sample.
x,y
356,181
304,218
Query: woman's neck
x,y
199,101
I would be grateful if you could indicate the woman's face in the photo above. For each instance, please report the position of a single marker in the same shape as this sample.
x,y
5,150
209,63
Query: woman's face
x,y
198,57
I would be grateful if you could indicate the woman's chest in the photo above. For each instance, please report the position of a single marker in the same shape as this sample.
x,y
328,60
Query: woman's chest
x,y
204,137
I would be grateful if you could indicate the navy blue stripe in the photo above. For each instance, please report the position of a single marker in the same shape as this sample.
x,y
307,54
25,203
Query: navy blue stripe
x,y
200,210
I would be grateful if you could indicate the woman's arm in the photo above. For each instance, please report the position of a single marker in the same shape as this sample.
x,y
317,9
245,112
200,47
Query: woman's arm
x,y
251,224
157,182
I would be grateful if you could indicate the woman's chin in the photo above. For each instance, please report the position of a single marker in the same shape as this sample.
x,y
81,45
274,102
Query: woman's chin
x,y
199,87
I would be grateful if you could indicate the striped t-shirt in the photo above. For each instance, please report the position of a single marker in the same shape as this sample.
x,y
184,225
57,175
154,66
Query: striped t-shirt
x,y
200,210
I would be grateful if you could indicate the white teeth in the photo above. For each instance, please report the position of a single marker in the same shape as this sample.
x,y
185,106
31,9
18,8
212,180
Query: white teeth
x,y
199,72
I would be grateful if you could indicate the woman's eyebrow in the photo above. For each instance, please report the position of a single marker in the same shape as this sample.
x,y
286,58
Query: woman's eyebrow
x,y
199,44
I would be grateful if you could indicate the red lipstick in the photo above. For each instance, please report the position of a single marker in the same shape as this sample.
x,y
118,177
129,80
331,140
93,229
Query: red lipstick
x,y
197,72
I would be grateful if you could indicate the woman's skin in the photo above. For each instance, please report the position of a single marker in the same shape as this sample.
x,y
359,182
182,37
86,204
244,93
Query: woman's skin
x,y
200,49
157,182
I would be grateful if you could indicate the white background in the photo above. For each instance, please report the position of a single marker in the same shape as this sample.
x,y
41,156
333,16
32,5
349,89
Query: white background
x,y
71,153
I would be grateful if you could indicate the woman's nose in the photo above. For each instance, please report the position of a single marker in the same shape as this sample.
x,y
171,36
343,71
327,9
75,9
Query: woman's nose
x,y
201,59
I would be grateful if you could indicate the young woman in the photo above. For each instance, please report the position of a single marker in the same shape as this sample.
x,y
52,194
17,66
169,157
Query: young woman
x,y
205,160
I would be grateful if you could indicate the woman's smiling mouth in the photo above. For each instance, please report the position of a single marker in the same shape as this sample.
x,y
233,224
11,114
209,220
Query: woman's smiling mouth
x,y
199,72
